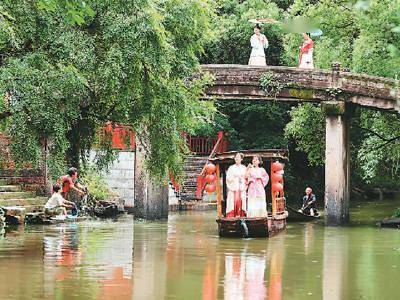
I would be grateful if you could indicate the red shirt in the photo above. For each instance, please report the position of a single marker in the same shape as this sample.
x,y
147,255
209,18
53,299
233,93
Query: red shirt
x,y
67,182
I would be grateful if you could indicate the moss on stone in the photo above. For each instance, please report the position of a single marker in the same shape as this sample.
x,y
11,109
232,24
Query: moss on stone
x,y
302,94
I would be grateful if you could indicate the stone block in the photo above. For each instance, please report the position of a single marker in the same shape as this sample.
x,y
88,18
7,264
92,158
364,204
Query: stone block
x,y
129,174
126,156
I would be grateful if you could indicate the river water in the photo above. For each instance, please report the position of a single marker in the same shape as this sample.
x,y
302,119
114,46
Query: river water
x,y
183,258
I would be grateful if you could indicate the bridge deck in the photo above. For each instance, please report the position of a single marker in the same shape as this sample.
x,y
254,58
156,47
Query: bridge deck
x,y
242,82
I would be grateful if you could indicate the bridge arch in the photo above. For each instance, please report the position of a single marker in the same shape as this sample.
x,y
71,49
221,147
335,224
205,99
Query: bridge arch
x,y
336,89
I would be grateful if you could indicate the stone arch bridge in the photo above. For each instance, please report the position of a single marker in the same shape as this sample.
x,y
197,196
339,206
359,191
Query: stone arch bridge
x,y
337,90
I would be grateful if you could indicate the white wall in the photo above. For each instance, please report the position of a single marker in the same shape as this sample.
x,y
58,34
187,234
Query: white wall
x,y
120,177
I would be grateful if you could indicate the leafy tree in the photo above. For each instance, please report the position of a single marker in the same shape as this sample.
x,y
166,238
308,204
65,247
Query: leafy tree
x,y
232,31
365,38
64,76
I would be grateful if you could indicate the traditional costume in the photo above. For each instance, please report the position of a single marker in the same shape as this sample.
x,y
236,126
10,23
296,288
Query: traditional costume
x,y
256,200
306,55
257,56
236,184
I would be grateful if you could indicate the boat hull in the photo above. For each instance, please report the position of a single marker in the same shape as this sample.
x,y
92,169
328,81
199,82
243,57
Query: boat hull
x,y
251,227
296,216
390,223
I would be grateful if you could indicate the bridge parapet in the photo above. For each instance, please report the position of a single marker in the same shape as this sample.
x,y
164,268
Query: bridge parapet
x,y
242,82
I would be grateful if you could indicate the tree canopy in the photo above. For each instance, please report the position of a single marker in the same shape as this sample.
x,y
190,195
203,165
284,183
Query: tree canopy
x,y
67,67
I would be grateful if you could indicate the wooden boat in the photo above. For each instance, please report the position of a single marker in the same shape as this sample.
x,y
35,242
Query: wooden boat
x,y
297,216
249,227
390,223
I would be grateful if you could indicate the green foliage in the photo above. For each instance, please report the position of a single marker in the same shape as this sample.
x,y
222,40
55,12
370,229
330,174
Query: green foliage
x,y
397,213
364,38
75,10
256,125
96,184
379,153
232,31
307,128
270,85
71,67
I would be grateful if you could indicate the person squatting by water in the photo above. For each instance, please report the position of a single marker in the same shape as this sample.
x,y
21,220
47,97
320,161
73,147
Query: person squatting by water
x,y
306,53
256,178
70,182
309,203
56,204
258,43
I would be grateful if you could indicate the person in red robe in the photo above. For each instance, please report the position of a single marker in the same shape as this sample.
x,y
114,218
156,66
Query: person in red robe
x,y
306,53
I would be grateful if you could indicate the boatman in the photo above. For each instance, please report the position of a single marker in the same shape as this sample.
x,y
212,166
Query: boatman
x,y
309,203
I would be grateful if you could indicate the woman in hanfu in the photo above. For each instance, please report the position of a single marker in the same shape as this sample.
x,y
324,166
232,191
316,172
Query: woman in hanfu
x,y
236,184
258,42
257,179
306,53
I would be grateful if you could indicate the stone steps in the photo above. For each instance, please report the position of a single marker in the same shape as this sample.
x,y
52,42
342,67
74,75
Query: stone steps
x,y
10,188
191,169
16,195
18,202
24,201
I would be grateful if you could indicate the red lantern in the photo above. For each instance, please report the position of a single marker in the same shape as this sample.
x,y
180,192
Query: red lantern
x,y
210,178
277,166
277,187
276,177
210,188
210,168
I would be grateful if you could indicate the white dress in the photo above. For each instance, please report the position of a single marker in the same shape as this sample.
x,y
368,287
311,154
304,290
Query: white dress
x,y
307,61
256,200
257,56
235,182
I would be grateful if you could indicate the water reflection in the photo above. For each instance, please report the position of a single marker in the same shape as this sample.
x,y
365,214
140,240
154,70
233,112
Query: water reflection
x,y
184,258
334,265
86,262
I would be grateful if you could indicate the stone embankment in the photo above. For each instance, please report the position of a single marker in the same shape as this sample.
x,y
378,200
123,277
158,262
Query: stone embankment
x,y
16,203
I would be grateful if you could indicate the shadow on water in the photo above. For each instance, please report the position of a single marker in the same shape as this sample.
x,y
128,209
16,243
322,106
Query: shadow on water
x,y
183,258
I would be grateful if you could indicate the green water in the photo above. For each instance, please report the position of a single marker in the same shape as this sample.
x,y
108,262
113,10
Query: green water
x,y
185,259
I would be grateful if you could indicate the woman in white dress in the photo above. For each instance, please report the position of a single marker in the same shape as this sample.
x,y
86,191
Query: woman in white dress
x,y
258,43
257,179
236,184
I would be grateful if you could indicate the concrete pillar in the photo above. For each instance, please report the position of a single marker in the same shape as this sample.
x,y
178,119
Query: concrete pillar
x,y
151,196
337,165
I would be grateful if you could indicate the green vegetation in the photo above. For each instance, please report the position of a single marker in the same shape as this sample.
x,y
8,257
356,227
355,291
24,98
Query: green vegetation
x,y
397,213
96,184
362,35
67,68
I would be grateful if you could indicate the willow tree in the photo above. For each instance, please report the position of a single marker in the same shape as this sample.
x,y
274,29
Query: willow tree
x,y
66,70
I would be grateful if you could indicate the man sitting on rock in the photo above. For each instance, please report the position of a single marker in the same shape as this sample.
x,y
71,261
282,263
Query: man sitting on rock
x,y
57,205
